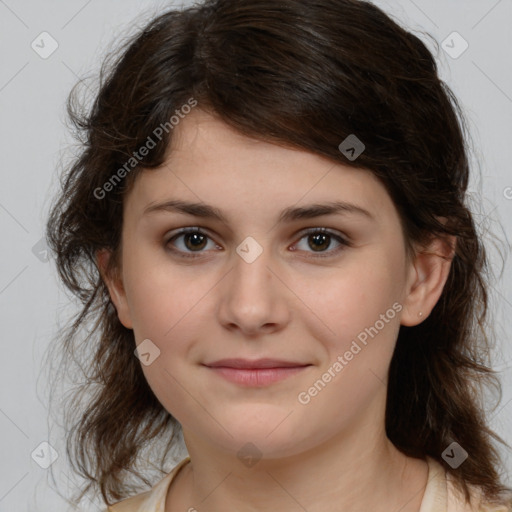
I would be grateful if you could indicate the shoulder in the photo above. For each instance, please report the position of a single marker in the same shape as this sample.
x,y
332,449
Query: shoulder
x,y
457,503
132,504
152,500
442,495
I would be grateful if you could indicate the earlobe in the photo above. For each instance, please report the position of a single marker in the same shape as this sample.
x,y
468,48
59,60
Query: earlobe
x,y
427,278
115,286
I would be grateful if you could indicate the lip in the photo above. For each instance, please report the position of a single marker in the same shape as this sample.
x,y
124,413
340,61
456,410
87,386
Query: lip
x,y
255,364
256,373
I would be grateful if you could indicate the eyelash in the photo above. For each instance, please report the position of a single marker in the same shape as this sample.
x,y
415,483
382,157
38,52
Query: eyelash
x,y
343,242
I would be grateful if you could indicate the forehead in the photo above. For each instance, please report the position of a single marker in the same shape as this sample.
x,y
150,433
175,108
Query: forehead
x,y
210,162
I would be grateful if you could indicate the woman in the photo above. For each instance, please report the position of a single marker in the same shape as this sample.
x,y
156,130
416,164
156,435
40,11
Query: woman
x,y
324,340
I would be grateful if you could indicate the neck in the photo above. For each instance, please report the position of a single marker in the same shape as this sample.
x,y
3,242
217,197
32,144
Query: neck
x,y
359,469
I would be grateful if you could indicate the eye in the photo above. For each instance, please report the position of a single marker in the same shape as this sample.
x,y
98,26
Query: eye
x,y
319,239
193,241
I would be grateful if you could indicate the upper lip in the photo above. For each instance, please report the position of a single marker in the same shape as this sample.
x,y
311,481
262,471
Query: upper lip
x,y
255,363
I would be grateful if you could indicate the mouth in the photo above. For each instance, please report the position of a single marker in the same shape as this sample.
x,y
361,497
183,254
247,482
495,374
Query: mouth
x,y
256,373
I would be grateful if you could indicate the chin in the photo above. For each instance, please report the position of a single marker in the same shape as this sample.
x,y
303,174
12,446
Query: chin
x,y
260,431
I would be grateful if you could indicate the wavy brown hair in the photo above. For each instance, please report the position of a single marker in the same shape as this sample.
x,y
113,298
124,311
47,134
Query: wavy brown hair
x,y
303,74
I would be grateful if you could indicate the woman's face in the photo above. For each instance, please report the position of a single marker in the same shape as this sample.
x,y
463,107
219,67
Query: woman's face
x,y
263,282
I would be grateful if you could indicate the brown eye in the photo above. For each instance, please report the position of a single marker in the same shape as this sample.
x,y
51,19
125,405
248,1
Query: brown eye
x,y
191,240
319,240
194,241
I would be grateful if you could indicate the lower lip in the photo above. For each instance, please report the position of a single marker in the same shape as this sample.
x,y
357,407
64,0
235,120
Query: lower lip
x,y
256,377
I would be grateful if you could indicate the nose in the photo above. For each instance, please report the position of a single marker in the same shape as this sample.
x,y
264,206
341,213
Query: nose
x,y
254,298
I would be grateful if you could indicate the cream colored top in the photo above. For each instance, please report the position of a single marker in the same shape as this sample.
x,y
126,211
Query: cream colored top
x,y
439,496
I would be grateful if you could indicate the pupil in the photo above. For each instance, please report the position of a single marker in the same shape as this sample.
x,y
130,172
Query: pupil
x,y
321,237
194,238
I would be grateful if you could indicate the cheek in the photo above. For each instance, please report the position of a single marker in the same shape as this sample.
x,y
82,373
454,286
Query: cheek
x,y
165,308
159,293
353,298
362,316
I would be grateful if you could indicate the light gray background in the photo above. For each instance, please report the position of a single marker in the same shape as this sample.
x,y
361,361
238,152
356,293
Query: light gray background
x,y
34,139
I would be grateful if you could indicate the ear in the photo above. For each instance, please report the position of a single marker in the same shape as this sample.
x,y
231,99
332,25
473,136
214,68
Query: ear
x,y
427,277
115,286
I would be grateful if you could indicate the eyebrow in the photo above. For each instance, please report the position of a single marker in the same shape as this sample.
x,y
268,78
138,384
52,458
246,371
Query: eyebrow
x,y
290,214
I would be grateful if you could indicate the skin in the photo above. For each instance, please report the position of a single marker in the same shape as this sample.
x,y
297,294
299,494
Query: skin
x,y
289,303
